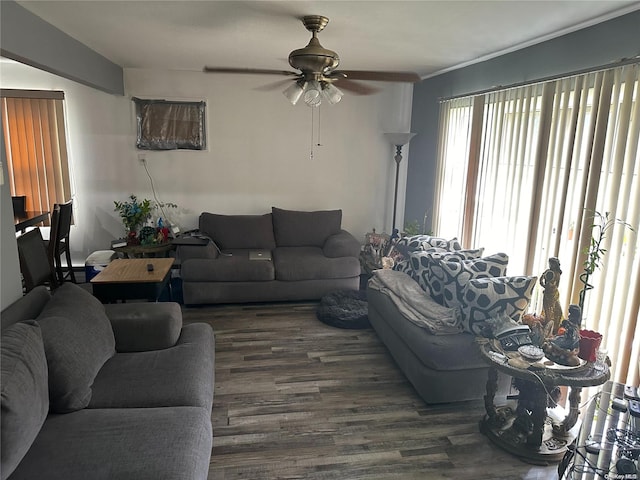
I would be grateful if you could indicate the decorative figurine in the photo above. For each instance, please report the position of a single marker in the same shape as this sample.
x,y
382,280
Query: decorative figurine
x,y
549,280
563,349
541,329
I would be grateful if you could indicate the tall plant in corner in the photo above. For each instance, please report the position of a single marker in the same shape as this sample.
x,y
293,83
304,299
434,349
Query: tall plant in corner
x,y
594,252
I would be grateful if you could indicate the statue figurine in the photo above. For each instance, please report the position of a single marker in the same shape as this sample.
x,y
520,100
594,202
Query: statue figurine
x,y
563,349
550,280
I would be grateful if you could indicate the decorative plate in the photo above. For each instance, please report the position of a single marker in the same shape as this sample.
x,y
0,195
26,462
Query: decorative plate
x,y
531,352
551,365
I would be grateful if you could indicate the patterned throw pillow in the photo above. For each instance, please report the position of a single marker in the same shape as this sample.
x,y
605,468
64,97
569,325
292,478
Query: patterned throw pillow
x,y
414,242
423,261
435,242
455,275
404,266
410,244
488,297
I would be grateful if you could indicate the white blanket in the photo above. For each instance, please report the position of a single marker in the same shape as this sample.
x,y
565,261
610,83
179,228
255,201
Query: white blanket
x,y
415,304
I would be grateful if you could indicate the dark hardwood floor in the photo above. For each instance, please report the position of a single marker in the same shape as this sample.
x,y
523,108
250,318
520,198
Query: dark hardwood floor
x,y
297,399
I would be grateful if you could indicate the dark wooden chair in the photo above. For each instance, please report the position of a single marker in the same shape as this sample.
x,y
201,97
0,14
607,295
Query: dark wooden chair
x,y
19,203
59,240
35,263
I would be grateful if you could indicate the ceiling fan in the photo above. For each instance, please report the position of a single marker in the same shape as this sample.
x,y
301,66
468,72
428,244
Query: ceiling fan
x,y
317,71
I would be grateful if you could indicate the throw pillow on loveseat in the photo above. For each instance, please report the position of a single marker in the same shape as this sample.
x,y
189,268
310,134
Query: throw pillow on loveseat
x,y
426,270
486,298
403,248
76,345
446,274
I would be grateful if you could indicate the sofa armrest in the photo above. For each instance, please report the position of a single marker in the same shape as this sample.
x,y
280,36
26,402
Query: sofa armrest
x,y
139,327
341,244
187,252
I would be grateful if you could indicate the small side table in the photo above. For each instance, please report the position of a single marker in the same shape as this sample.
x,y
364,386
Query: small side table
x,y
368,264
145,251
528,432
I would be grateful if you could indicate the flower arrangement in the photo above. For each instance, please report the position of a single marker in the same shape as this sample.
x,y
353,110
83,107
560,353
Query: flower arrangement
x,y
134,213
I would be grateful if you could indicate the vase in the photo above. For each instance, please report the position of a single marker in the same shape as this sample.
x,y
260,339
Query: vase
x,y
132,238
589,344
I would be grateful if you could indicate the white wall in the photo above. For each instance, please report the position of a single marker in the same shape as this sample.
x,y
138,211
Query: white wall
x,y
10,284
258,155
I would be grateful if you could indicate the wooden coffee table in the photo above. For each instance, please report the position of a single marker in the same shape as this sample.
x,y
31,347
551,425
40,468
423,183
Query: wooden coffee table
x,y
129,278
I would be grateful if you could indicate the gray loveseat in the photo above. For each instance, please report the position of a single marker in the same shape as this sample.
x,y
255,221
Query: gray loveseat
x,y
102,392
311,255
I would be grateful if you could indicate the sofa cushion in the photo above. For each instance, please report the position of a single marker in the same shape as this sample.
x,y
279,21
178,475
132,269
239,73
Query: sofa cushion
x,y
488,297
234,268
422,262
27,307
309,263
182,375
294,228
438,352
342,244
24,392
239,231
138,327
455,275
78,339
172,443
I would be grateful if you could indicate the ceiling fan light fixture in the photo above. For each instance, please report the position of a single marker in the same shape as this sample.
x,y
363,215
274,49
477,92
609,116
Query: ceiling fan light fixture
x,y
293,92
313,94
331,93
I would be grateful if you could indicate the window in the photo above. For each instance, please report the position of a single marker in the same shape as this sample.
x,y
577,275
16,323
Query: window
x,y
523,170
36,148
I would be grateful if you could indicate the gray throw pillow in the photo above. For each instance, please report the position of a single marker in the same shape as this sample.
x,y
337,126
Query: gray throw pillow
x,y
78,340
239,231
24,393
305,229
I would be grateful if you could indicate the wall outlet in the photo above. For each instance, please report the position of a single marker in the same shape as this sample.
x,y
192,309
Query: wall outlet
x,y
142,158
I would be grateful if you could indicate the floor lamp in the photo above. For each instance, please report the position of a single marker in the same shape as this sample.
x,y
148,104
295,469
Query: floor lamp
x,y
398,140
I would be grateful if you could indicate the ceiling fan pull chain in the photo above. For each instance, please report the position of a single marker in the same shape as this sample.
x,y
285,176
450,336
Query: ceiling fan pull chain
x,y
311,156
318,136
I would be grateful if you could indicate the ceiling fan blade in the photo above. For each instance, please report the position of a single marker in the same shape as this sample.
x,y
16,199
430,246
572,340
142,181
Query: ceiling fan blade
x,y
354,87
253,71
410,77
275,86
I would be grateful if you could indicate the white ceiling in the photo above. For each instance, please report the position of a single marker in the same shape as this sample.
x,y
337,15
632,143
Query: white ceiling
x,y
421,36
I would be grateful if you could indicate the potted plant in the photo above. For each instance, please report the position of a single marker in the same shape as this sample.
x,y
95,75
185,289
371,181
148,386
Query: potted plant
x,y
590,340
134,214
594,252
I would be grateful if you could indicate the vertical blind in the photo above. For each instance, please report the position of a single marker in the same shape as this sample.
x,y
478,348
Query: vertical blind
x,y
524,171
36,148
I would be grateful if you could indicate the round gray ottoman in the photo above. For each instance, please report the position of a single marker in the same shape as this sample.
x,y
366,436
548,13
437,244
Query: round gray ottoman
x,y
344,309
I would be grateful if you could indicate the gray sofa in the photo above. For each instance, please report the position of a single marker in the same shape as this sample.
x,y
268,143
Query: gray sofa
x,y
102,392
442,368
311,255
427,340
